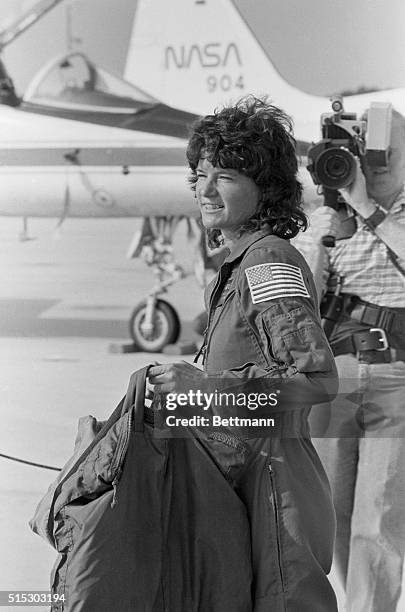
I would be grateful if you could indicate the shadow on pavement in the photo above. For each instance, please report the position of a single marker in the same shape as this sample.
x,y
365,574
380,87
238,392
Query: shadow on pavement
x,y
21,318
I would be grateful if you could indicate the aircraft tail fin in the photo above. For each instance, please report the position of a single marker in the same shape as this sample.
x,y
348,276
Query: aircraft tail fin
x,y
199,54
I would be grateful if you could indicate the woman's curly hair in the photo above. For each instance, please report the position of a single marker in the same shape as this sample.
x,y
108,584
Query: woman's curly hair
x,y
255,138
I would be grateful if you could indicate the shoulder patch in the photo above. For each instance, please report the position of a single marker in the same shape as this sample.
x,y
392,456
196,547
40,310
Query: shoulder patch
x,y
269,281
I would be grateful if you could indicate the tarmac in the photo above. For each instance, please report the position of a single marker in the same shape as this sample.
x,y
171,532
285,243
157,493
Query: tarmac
x,y
65,298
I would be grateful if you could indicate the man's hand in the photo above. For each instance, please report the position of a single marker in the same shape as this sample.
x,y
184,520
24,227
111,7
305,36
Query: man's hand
x,y
324,221
356,194
168,377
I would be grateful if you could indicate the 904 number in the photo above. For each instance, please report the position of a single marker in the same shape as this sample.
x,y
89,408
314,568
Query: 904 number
x,y
224,83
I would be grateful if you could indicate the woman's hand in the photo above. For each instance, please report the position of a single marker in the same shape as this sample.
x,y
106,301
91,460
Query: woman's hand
x,y
169,377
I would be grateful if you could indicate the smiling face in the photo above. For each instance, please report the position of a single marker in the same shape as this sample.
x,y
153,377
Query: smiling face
x,y
227,198
384,184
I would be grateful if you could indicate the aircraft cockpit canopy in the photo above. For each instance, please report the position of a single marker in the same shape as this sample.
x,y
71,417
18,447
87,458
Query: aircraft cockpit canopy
x,y
72,87
74,82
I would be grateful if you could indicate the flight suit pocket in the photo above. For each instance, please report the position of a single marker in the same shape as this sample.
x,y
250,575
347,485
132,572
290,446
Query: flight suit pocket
x,y
296,338
229,453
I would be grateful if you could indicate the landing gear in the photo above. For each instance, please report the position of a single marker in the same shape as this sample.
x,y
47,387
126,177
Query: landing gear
x,y
154,323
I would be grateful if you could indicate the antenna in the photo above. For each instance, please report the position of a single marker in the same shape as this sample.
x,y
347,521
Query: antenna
x,y
71,39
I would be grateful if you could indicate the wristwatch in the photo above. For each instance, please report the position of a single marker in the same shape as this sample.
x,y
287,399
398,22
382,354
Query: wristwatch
x,y
376,217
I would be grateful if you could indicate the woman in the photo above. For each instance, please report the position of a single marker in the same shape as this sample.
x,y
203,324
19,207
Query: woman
x,y
264,327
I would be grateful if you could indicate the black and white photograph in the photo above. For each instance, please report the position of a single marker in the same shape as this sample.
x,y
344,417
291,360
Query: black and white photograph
x,y
202,306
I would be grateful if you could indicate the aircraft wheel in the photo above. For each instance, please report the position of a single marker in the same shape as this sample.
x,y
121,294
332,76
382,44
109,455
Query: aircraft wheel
x,y
166,327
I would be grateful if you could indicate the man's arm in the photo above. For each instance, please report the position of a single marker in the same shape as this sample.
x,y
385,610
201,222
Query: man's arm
x,y
324,221
388,230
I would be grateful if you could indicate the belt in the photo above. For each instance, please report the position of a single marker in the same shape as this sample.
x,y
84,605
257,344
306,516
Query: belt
x,y
370,346
379,317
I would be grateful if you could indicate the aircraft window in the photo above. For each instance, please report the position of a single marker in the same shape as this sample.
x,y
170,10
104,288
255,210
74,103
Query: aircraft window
x,y
73,80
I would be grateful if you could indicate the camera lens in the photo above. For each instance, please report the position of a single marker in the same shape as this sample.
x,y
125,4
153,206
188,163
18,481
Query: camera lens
x,y
336,168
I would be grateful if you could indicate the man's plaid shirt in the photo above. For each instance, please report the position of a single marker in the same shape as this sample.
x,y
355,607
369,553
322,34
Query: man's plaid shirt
x,y
363,263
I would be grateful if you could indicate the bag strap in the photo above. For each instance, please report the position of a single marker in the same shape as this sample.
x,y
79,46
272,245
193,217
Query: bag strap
x,y
135,396
394,260
392,255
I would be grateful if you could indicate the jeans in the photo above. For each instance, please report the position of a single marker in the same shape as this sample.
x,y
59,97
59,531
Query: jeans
x,y
363,452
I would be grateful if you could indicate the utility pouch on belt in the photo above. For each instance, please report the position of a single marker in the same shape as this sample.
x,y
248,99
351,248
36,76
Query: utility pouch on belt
x,y
331,308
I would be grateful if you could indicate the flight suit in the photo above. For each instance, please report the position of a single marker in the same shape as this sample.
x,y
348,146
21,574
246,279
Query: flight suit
x,y
263,327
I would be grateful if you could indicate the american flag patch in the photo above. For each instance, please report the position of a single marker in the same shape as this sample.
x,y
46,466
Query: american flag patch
x,y
270,281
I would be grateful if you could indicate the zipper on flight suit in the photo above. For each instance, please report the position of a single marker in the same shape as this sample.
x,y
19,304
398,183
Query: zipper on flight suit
x,y
207,341
276,511
204,346
120,452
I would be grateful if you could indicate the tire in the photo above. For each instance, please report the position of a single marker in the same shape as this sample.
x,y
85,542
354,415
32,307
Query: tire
x,y
166,327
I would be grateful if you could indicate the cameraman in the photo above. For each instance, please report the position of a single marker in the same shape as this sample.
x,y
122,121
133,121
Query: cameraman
x,y
363,449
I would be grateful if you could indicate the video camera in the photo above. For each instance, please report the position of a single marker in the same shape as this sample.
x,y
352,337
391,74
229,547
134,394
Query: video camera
x,y
331,161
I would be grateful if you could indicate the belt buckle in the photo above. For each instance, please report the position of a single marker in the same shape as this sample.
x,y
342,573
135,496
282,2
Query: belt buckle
x,y
383,338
